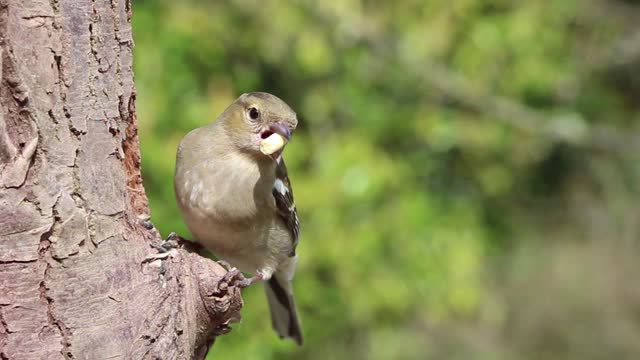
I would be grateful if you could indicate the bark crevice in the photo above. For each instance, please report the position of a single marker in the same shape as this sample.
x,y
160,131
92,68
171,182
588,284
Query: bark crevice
x,y
72,248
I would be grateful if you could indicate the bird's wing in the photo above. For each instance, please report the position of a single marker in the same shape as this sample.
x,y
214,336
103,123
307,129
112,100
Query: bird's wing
x,y
283,194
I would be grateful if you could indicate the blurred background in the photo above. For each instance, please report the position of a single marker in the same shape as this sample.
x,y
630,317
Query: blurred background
x,y
466,172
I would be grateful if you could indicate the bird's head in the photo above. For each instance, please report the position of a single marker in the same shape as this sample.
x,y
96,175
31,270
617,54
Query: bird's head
x,y
260,123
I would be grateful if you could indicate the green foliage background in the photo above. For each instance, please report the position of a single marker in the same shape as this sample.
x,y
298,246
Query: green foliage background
x,y
466,171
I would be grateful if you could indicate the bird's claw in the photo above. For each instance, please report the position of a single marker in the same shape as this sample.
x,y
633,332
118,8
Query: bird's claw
x,y
234,277
174,237
232,274
225,265
160,256
172,242
145,221
246,282
165,250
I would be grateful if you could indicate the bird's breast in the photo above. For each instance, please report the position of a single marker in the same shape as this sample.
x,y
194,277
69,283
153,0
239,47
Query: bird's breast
x,y
223,194
227,198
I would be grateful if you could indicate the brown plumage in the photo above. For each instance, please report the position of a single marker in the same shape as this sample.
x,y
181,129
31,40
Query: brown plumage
x,y
238,202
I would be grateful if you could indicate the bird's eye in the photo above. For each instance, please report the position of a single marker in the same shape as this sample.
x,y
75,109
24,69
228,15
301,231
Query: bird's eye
x,y
254,114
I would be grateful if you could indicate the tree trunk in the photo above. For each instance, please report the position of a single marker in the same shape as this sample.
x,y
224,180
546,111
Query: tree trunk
x,y
73,283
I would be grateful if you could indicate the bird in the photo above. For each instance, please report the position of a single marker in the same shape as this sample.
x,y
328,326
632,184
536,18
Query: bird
x,y
234,193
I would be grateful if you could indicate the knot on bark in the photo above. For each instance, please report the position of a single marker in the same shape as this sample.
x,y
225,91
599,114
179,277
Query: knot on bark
x,y
221,301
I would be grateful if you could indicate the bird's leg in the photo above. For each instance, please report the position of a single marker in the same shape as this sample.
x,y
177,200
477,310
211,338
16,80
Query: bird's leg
x,y
243,282
231,274
235,277
235,274
225,265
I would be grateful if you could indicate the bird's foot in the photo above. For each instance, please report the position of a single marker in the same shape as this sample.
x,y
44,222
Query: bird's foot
x,y
171,242
235,277
225,265
160,256
145,221
244,282
165,250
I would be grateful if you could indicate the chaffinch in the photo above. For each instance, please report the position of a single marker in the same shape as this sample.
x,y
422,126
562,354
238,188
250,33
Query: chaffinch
x,y
235,196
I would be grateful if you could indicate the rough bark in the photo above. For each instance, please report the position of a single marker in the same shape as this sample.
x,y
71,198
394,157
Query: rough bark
x,y
73,283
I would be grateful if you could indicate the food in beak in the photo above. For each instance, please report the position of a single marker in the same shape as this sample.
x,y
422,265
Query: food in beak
x,y
272,144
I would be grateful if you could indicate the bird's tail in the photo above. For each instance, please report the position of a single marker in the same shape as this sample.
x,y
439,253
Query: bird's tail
x,y
284,317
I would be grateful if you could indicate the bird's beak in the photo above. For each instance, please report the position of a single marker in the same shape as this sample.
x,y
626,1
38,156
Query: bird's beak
x,y
281,129
273,140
